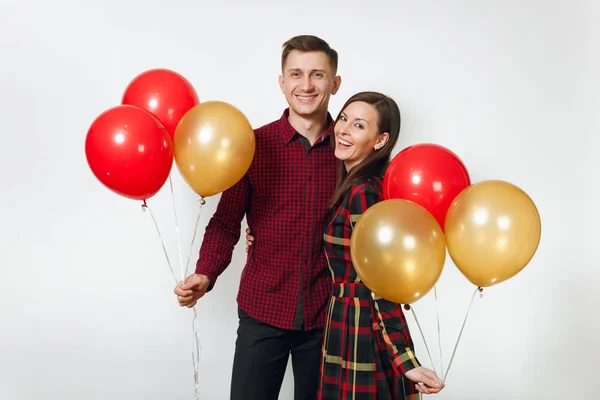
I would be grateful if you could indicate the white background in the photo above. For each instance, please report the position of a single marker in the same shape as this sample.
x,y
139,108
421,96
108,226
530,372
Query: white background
x,y
86,303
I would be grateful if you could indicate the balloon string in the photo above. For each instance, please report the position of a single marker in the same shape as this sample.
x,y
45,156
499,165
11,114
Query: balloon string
x,y
196,334
195,331
187,264
437,309
424,341
177,229
461,331
196,355
144,208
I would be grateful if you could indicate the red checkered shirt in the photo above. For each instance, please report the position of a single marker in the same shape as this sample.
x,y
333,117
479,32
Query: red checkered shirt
x,y
284,195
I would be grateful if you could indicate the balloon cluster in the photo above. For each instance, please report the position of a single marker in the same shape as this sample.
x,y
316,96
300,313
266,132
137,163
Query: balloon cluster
x,y
491,229
130,148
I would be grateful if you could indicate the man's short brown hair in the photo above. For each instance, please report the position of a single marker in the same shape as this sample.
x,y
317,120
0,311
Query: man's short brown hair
x,y
307,43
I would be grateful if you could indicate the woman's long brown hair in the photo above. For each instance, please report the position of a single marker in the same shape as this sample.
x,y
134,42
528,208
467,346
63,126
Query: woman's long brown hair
x,y
377,161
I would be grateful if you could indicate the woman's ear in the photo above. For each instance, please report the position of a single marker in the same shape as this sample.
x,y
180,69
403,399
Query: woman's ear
x,y
381,140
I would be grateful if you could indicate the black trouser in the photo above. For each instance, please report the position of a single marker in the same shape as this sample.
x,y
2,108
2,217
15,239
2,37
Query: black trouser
x,y
261,357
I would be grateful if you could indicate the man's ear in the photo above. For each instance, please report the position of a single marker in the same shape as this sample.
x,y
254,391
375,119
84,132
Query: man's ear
x,y
281,83
337,82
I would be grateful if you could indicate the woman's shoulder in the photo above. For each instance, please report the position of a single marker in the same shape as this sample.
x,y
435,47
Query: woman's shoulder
x,y
367,185
364,193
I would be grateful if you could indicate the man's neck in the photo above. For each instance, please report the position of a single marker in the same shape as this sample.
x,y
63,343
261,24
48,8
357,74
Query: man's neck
x,y
312,128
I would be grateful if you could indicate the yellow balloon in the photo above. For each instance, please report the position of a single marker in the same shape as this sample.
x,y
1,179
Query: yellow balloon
x,y
213,147
493,229
398,250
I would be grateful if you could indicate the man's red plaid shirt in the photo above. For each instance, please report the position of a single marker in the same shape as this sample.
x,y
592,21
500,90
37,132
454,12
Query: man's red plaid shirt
x,y
284,195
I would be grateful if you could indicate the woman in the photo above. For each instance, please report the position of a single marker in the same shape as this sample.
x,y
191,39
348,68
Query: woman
x,y
367,348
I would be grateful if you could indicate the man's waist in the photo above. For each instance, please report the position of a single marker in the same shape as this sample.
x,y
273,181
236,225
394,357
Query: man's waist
x,y
279,308
297,258
283,279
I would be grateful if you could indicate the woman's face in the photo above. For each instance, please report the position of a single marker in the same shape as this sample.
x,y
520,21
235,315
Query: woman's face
x,y
357,133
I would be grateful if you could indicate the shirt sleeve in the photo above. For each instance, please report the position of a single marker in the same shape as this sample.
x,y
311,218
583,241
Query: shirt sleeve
x,y
390,318
223,231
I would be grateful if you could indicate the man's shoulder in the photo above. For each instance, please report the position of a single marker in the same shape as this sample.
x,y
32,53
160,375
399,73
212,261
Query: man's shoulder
x,y
268,129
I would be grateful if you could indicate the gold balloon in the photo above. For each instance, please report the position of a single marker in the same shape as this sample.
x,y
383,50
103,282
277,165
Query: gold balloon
x,y
398,250
493,229
213,146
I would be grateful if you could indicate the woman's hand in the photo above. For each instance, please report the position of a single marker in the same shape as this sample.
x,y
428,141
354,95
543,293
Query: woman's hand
x,y
426,380
249,239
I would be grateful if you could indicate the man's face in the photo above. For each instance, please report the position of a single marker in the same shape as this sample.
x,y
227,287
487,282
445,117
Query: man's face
x,y
308,81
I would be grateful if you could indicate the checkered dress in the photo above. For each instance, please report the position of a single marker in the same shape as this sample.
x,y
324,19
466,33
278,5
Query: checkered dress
x,y
367,346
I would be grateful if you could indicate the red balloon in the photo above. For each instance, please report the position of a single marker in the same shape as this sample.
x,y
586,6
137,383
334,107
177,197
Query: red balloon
x,y
429,175
129,151
165,93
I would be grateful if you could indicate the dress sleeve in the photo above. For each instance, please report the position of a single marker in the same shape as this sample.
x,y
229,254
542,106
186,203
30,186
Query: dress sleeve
x,y
395,335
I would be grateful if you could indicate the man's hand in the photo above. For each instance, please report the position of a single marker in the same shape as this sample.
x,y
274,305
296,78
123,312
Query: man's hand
x,y
249,239
191,290
426,380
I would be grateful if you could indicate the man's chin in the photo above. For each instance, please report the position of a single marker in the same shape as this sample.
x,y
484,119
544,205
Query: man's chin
x,y
306,111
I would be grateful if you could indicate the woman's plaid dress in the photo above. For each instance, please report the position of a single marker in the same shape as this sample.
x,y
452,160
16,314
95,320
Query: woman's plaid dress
x,y
367,346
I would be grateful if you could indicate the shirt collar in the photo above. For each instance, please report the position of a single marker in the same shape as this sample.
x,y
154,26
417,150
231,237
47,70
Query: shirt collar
x,y
288,132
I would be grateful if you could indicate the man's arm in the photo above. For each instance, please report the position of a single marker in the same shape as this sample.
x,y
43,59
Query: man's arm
x,y
220,237
223,231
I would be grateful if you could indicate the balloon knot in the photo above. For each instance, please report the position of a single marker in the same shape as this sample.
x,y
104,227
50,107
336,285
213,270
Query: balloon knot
x,y
407,307
202,201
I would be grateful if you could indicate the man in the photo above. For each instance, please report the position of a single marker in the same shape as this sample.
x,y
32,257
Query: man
x,y
285,284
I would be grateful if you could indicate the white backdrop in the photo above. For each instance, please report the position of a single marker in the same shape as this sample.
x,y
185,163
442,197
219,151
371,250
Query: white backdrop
x,y
86,303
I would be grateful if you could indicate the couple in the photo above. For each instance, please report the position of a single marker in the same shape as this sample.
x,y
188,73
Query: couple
x,y
310,180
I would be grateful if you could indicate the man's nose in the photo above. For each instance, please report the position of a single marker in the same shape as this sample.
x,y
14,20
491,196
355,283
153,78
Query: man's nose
x,y
307,84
